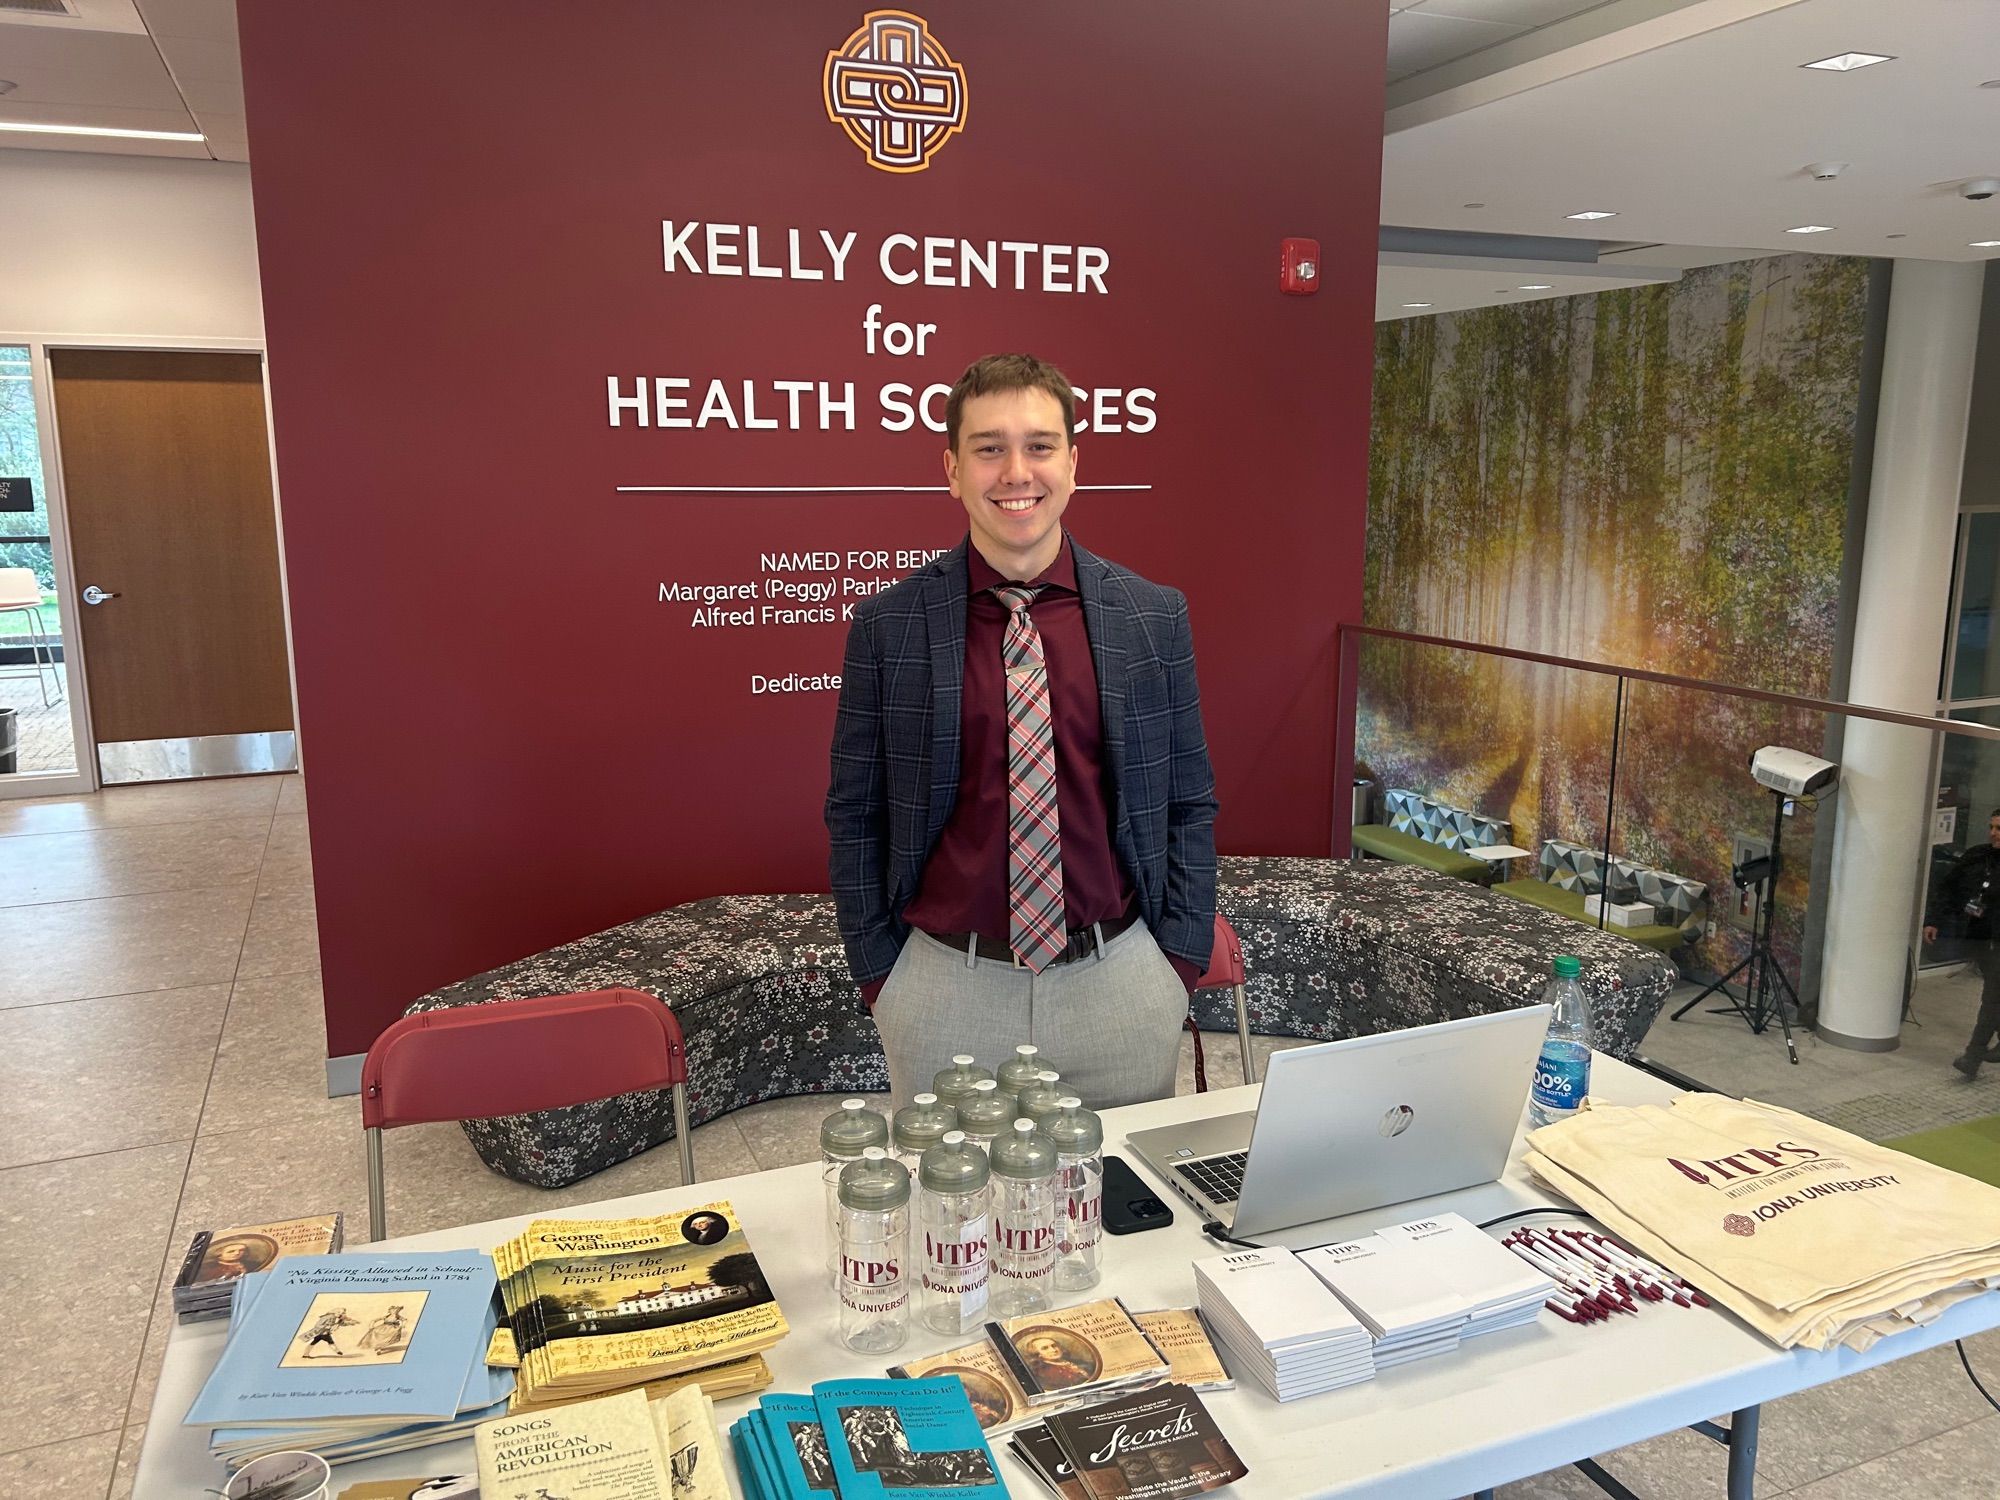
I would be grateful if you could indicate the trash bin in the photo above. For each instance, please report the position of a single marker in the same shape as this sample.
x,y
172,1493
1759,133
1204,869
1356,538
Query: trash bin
x,y
1364,802
10,740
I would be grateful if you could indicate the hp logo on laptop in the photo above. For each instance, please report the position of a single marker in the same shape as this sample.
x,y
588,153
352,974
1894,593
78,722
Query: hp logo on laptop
x,y
1396,1121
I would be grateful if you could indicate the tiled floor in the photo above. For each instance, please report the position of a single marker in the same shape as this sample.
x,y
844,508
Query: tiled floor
x,y
44,741
161,1069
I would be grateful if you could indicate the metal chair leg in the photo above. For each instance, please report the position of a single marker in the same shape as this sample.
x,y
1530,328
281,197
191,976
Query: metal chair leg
x,y
682,1137
378,1211
35,633
1243,1036
49,651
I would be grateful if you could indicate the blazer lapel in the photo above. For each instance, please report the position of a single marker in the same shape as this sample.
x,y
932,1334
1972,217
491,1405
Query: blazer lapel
x,y
1104,621
944,609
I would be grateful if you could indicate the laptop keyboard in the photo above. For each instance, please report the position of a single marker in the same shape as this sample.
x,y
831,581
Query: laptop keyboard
x,y
1219,1177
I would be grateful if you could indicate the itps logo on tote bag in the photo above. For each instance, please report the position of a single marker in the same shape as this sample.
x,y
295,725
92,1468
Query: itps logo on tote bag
x,y
895,91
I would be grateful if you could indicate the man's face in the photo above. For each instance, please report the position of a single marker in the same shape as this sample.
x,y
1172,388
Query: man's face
x,y
1046,1350
1993,832
1014,470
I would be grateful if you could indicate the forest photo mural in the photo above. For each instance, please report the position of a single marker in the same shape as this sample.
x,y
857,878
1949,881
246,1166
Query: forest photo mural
x,y
1654,478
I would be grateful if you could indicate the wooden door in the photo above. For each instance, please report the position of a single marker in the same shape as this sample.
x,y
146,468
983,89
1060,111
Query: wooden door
x,y
167,481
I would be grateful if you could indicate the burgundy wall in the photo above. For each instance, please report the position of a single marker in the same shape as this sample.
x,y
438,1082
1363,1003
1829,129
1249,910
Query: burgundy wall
x,y
511,740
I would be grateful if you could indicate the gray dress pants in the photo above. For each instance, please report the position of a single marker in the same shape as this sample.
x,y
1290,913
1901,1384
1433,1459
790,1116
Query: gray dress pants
x,y
1109,1023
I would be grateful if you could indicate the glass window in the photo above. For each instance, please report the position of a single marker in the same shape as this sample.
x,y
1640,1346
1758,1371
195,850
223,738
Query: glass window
x,y
33,678
1976,669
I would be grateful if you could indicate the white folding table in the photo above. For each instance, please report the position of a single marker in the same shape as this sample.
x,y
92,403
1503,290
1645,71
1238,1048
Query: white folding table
x,y
1503,1407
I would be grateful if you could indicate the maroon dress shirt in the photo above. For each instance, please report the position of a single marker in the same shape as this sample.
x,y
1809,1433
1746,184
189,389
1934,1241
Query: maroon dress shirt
x,y
964,884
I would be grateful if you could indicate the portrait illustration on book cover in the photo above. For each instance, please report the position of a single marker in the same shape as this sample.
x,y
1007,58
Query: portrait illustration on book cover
x,y
1058,1357
355,1328
236,1255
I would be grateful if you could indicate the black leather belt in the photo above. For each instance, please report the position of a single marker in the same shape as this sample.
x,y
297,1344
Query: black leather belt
x,y
1083,941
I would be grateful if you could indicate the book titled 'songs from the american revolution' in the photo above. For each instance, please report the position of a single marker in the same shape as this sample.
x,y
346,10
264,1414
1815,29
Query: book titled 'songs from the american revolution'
x,y
1071,1352
607,1449
1158,1444
602,1303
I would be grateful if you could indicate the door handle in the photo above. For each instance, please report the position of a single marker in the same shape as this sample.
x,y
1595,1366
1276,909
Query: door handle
x,y
95,595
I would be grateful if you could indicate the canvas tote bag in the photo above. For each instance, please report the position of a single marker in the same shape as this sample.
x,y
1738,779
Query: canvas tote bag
x,y
1804,1230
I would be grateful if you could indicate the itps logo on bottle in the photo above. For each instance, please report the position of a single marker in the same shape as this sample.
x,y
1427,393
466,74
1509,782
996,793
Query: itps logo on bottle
x,y
895,91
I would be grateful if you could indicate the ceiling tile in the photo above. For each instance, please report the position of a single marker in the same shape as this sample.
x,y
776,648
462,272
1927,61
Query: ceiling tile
x,y
1524,13
206,20
1419,40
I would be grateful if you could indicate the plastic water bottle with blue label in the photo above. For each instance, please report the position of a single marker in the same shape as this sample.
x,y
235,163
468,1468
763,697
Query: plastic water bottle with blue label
x,y
1562,1076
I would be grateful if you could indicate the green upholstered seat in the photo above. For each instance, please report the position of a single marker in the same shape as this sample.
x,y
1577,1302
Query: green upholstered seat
x,y
1407,849
1570,904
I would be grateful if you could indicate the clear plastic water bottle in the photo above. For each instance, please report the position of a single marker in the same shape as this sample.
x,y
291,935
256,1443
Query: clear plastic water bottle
x,y
985,1113
874,1253
954,1235
1041,1100
1022,1070
956,1081
918,1126
1562,1076
1024,1221
1078,1136
843,1136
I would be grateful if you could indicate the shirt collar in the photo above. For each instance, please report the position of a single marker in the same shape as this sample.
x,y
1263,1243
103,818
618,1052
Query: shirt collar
x,y
1060,574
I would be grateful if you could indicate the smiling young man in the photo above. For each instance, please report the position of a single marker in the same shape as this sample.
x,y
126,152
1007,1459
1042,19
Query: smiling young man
x,y
1022,809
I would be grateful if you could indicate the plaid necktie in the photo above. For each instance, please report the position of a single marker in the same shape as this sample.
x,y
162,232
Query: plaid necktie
x,y
1035,913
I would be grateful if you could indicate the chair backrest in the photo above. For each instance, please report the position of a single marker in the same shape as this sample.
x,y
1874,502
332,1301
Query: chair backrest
x,y
1225,961
19,588
514,1057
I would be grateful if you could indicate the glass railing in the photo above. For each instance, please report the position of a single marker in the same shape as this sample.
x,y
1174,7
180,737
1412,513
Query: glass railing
x,y
1634,799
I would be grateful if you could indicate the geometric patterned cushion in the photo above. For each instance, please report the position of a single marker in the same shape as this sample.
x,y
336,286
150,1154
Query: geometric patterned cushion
x,y
1576,867
1678,900
1440,823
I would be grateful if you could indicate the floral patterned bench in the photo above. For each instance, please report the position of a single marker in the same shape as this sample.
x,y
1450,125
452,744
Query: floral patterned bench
x,y
761,988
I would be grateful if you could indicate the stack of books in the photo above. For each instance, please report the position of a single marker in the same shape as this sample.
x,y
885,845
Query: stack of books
x,y
1498,1289
1156,1444
354,1355
1282,1324
218,1259
600,1304
1408,1313
865,1440
627,1445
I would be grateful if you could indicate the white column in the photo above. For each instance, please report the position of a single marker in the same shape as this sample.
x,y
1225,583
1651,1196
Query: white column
x,y
1900,618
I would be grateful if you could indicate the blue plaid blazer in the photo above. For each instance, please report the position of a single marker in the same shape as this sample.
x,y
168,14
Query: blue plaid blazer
x,y
896,753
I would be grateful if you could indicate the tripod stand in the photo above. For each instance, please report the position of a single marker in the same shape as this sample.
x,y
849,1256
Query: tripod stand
x,y
1766,989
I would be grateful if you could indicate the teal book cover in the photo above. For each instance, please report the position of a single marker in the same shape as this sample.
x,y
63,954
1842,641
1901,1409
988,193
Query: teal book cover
x,y
906,1440
354,1337
797,1447
759,1481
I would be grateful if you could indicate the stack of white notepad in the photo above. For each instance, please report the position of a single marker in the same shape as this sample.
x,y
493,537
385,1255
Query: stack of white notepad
x,y
1496,1287
1281,1324
1408,1312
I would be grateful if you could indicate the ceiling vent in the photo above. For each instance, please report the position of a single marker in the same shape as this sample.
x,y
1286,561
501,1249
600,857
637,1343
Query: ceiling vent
x,y
38,8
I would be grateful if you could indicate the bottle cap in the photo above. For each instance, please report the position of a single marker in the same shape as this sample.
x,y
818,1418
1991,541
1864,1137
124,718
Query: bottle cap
x,y
1043,1099
874,1183
954,1165
1023,1152
918,1126
1567,967
953,1082
1074,1130
1022,1070
985,1112
852,1129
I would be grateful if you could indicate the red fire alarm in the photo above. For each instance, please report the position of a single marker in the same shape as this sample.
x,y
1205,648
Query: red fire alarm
x,y
1298,267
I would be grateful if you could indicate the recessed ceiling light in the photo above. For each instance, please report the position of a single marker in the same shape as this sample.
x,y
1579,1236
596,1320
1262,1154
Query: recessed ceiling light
x,y
1847,62
128,135
1991,83
1594,213
7,85
1986,244
1475,205
1895,236
1536,286
1416,304
1811,229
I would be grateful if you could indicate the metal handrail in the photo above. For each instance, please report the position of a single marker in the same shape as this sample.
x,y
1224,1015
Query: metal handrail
x,y
1669,679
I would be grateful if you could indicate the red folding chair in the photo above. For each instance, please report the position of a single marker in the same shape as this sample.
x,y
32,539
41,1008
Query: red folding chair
x,y
1225,967
516,1057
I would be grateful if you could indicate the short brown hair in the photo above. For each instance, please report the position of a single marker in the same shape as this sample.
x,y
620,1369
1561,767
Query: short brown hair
x,y
1009,372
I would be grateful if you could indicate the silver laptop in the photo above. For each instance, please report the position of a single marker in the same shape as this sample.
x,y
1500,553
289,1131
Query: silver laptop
x,y
1357,1124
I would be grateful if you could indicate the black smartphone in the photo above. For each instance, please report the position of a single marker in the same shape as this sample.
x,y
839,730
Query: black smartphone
x,y
1129,1205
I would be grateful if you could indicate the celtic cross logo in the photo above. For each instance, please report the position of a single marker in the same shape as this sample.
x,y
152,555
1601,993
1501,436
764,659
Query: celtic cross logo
x,y
895,91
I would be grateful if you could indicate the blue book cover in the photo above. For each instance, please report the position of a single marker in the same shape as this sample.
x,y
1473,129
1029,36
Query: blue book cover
x,y
354,1338
797,1446
906,1439
753,1464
